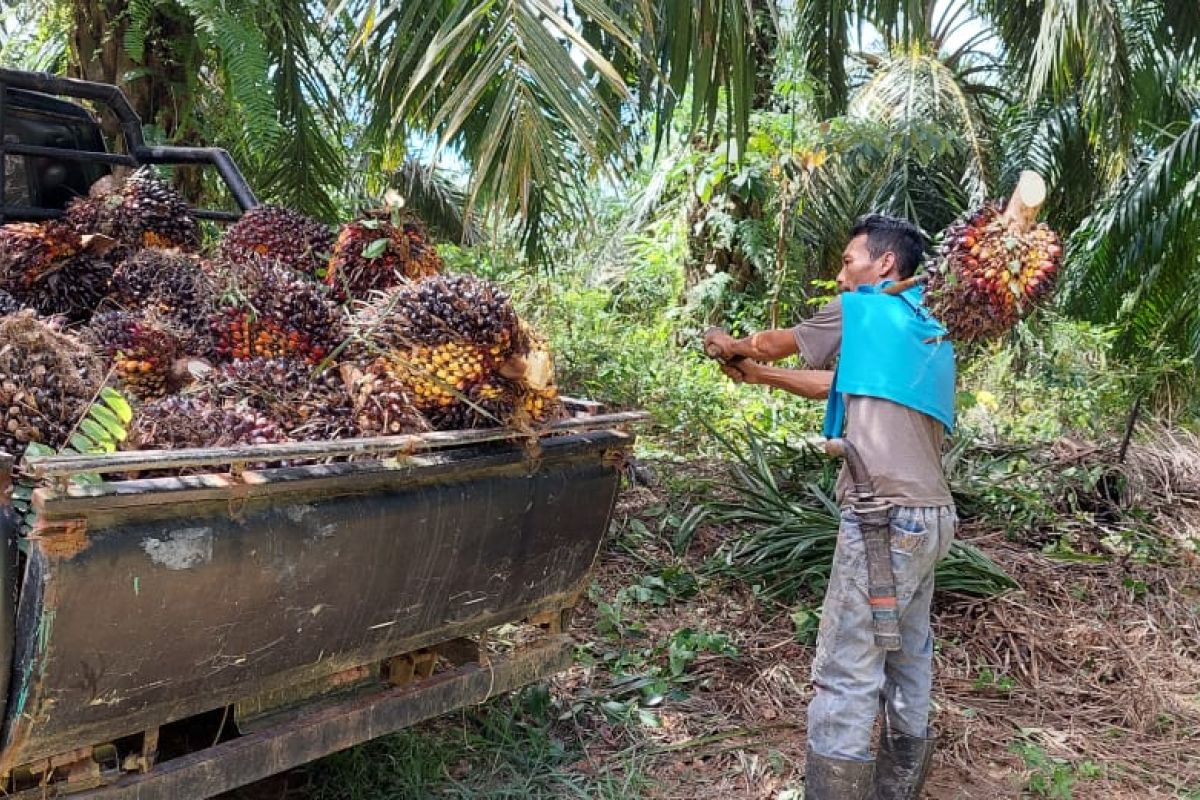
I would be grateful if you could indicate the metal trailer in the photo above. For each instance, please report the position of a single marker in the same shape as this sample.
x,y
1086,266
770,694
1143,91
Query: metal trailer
x,y
307,608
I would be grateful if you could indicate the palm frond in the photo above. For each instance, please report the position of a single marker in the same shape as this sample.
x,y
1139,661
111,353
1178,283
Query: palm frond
x,y
1136,256
233,29
913,88
500,81
437,200
823,35
790,520
707,47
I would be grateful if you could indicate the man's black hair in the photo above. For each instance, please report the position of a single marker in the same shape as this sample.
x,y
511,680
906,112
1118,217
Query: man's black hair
x,y
893,234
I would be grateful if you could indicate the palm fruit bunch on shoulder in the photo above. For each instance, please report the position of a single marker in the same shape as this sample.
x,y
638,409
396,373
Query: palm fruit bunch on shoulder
x,y
48,267
304,405
8,304
377,254
988,274
181,421
173,286
142,351
144,211
281,236
382,400
47,380
268,311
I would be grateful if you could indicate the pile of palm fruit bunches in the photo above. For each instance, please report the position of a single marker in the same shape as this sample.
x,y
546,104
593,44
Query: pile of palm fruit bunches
x,y
989,272
283,330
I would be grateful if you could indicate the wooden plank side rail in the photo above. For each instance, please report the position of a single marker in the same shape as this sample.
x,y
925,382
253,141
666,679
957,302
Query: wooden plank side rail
x,y
134,461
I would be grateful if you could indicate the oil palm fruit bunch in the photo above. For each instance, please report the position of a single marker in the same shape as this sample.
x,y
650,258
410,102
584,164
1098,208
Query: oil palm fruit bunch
x,y
304,405
180,421
142,351
47,380
268,311
381,398
144,211
281,236
47,266
172,285
458,308
376,254
988,273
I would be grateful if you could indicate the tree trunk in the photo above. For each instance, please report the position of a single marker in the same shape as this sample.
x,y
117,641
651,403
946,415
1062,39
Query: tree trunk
x,y
160,87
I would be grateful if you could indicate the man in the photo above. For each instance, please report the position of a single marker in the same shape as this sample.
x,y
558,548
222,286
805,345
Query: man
x,y
893,394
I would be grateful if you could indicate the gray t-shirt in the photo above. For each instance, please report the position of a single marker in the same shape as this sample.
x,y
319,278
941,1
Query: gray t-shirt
x,y
901,447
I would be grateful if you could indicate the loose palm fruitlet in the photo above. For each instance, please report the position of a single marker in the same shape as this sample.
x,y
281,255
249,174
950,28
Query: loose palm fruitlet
x,y
375,254
304,405
382,403
47,380
989,273
181,421
173,286
144,211
280,236
270,312
45,266
142,352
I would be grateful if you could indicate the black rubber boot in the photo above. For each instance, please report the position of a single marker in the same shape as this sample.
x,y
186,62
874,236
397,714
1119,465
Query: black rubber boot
x,y
837,778
902,766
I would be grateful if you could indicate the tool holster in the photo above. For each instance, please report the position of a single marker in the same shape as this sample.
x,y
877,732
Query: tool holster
x,y
874,519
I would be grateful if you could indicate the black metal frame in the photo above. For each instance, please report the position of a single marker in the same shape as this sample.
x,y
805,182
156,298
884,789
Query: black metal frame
x,y
138,152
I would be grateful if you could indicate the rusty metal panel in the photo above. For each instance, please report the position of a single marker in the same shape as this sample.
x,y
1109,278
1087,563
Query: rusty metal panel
x,y
305,738
8,577
125,627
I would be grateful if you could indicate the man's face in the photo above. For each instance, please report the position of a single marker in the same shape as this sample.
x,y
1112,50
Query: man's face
x,y
859,269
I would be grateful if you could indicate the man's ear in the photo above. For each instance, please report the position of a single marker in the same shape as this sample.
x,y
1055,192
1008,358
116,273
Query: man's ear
x,y
885,264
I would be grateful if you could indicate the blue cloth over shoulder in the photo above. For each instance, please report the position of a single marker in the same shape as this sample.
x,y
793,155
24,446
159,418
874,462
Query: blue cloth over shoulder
x,y
892,348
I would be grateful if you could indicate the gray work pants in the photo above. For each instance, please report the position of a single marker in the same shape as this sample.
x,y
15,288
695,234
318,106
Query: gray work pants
x,y
851,675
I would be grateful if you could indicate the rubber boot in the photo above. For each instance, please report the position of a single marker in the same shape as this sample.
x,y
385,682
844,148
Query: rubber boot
x,y
837,778
903,764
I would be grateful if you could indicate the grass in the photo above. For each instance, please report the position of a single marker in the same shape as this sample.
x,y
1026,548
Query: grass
x,y
512,747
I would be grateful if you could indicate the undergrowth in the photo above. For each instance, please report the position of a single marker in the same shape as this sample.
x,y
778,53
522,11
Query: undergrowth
x,y
511,747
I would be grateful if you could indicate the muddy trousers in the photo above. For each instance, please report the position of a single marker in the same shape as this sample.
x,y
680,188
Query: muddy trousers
x,y
852,676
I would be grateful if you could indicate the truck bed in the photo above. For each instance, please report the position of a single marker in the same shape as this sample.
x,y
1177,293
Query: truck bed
x,y
146,602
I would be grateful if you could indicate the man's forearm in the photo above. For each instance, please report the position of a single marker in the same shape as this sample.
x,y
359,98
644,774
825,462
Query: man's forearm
x,y
811,383
767,345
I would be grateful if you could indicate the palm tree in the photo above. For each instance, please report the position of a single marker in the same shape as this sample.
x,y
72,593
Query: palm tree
x,y
544,101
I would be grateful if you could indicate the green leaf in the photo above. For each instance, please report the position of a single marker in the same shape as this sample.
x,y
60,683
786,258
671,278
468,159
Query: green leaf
x,y
109,420
376,248
119,405
97,432
38,449
81,444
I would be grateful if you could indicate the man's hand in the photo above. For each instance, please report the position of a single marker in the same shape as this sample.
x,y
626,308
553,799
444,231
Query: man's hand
x,y
719,344
752,371
744,371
